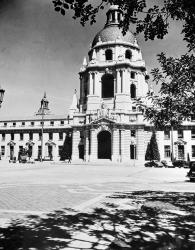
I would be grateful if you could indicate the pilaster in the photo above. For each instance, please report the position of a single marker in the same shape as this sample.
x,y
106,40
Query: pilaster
x,y
126,145
87,145
115,145
75,144
93,145
140,146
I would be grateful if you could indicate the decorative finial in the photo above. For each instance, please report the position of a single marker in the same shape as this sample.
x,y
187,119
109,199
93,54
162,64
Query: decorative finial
x,y
99,40
94,55
84,62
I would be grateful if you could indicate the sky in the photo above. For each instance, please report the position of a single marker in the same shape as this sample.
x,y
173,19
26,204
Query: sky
x,y
41,50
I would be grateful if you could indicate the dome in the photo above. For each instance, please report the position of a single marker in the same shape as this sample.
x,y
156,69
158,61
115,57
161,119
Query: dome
x,y
111,33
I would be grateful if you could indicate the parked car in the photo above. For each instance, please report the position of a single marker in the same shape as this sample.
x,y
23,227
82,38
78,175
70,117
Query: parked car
x,y
156,164
167,163
191,173
181,164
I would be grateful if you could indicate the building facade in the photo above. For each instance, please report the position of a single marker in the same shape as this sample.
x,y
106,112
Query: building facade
x,y
105,122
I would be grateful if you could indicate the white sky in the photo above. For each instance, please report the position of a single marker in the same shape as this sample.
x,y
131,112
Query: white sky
x,y
40,50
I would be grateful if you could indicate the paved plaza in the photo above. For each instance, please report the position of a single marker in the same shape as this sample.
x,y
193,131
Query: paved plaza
x,y
44,187
35,191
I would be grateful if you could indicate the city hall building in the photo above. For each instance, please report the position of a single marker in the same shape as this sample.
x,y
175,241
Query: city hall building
x,y
104,123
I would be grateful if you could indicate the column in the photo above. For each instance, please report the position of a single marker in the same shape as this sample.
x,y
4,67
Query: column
x,y
93,145
75,144
122,144
16,150
90,84
140,146
55,153
122,82
118,80
87,156
94,82
115,145
126,145
35,151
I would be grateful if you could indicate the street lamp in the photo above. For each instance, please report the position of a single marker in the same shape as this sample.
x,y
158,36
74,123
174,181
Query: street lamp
x,y
43,110
2,91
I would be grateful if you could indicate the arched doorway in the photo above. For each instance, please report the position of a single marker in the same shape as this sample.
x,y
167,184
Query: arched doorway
x,y
104,145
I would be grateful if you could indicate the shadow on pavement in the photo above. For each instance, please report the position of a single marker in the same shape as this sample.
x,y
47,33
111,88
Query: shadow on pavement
x,y
136,220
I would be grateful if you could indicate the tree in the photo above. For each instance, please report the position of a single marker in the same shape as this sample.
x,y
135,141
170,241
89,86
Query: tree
x,y
66,152
153,21
176,100
152,152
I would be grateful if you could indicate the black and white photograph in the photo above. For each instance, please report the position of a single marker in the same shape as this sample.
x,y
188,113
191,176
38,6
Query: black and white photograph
x,y
97,125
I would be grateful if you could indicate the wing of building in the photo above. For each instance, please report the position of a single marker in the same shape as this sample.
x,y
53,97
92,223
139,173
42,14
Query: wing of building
x,y
104,122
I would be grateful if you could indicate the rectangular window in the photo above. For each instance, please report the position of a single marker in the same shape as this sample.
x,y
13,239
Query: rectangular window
x,y
39,152
167,150
60,148
61,136
193,150
193,133
132,152
62,122
3,137
14,124
20,148
41,123
21,136
133,133
12,137
2,150
52,123
180,133
5,124
31,136
167,135
133,108
132,75
40,136
32,123
50,136
181,152
23,123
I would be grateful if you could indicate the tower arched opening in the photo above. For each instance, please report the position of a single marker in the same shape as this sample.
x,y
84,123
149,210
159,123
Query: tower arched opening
x,y
128,54
107,86
108,55
133,90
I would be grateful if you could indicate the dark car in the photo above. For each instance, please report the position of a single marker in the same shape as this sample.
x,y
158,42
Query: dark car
x,y
155,164
181,164
191,173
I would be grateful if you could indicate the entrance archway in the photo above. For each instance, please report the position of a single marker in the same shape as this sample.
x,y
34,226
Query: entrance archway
x,y
104,145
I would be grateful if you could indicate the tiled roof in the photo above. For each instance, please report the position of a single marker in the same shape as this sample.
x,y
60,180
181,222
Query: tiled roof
x,y
112,33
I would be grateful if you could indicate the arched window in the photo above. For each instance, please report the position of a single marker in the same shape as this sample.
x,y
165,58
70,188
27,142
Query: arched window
x,y
108,54
133,90
107,86
128,54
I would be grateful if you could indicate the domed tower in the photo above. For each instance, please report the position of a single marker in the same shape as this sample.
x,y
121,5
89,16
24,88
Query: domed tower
x,y
115,72
108,125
